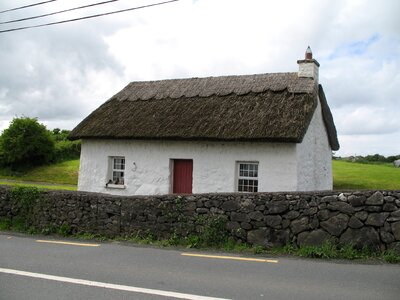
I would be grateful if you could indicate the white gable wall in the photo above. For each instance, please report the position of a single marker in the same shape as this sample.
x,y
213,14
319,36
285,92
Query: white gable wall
x,y
214,165
314,156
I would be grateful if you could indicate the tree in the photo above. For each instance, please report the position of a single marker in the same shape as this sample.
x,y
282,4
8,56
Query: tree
x,y
26,143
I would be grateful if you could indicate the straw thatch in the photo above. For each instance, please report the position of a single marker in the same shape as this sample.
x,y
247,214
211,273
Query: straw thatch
x,y
265,107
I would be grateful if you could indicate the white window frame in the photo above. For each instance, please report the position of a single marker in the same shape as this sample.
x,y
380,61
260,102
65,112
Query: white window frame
x,y
248,176
116,167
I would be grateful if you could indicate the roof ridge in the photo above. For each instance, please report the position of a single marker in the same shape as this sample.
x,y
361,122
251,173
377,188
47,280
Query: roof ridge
x,y
210,77
220,86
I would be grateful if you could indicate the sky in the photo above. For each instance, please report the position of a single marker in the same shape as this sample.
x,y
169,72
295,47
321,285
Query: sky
x,y
61,73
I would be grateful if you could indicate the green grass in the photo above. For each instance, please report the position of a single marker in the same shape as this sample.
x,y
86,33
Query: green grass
x,y
39,185
62,173
354,176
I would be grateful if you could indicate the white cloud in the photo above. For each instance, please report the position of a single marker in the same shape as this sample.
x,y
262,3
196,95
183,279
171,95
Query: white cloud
x,y
59,74
366,121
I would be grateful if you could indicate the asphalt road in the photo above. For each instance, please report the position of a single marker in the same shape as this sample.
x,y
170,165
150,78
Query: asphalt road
x,y
32,269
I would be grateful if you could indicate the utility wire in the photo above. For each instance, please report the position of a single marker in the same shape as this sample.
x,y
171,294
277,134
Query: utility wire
x,y
88,17
58,12
30,5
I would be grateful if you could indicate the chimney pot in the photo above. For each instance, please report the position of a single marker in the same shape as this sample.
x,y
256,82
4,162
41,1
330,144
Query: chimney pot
x,y
308,53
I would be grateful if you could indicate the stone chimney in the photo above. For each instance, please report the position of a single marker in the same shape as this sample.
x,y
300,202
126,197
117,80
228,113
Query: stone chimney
x,y
308,67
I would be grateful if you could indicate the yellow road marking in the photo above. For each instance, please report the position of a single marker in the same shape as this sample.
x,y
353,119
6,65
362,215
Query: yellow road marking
x,y
231,257
67,243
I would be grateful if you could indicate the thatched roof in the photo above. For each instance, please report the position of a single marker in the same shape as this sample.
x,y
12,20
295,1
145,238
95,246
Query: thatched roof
x,y
265,107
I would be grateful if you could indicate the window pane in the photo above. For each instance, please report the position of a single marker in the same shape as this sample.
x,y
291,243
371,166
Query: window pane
x,y
118,177
248,177
119,164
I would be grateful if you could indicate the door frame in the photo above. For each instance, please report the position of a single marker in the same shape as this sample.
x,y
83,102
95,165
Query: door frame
x,y
172,172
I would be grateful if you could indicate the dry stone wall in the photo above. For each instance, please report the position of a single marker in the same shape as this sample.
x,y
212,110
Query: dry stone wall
x,y
362,218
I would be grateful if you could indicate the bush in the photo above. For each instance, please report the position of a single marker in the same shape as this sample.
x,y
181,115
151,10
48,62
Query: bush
x,y
26,143
66,150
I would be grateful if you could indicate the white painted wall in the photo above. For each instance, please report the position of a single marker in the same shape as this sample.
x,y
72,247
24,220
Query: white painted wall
x,y
314,156
214,165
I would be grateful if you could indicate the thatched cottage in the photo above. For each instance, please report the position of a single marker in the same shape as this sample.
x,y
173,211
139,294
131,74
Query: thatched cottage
x,y
251,133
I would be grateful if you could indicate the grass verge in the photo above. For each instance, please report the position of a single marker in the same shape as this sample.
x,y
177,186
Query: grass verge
x,y
62,173
39,185
352,176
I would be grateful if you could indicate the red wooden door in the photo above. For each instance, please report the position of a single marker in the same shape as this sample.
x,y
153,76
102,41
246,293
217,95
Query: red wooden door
x,y
183,176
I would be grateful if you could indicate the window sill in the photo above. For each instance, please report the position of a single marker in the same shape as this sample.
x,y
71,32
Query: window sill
x,y
115,186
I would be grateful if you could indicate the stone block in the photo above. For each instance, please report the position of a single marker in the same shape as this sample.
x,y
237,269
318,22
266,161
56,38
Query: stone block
x,y
291,215
373,208
202,210
375,199
310,211
259,237
313,238
273,221
355,223
211,203
260,207
336,225
361,215
241,233
277,207
389,199
386,237
230,205
357,200
299,225
342,197
396,230
190,206
395,246
245,225
278,238
285,223
325,214
246,205
395,213
232,225
329,199
365,236
342,207
376,219
314,223
256,215
239,217
389,207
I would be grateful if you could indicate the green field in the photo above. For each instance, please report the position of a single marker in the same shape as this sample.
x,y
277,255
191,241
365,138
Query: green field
x,y
361,176
346,176
56,174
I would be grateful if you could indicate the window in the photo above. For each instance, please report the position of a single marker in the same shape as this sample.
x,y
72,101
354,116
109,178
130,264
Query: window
x,y
247,176
117,170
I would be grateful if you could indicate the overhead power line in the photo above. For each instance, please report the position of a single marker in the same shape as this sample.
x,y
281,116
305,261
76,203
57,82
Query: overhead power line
x,y
26,6
58,12
88,17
